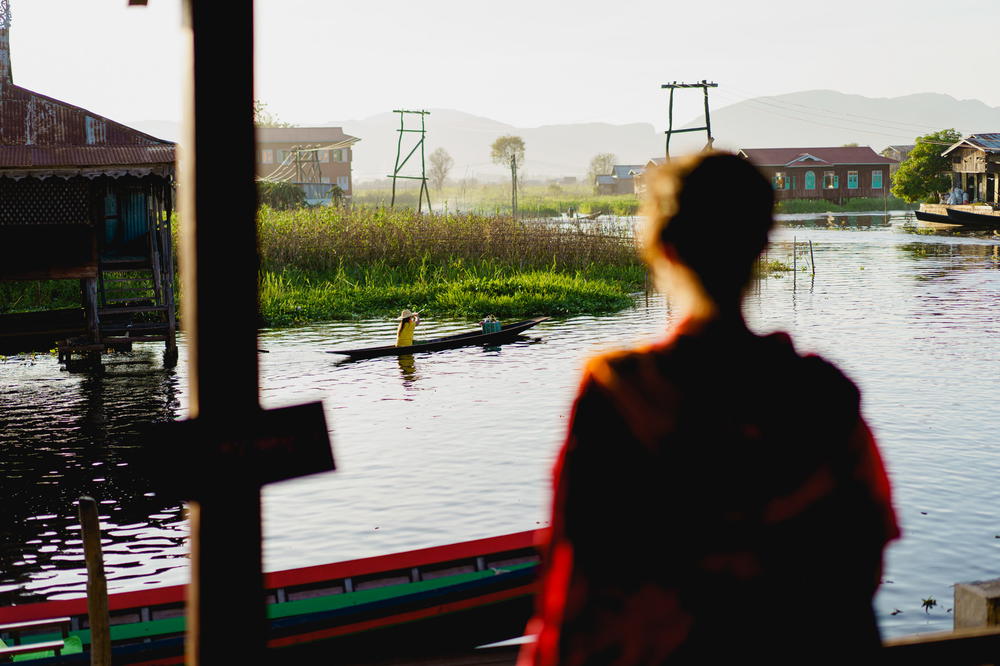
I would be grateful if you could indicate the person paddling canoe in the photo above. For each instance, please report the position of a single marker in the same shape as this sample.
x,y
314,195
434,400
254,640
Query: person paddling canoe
x,y
407,324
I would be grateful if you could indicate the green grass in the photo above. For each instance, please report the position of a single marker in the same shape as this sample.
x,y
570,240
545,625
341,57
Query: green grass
x,y
35,295
861,204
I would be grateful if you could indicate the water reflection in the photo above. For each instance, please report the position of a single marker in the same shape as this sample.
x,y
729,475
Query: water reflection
x,y
407,369
89,445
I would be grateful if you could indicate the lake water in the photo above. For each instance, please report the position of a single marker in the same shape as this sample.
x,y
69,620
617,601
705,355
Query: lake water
x,y
456,445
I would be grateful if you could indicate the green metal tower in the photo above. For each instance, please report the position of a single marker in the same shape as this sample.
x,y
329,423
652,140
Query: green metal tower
x,y
704,85
424,192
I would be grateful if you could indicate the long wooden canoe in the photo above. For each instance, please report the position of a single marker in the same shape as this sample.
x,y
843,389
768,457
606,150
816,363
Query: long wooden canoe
x,y
933,217
968,218
507,333
425,601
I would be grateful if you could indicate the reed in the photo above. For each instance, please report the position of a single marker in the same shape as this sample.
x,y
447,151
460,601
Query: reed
x,y
331,239
335,263
859,204
494,199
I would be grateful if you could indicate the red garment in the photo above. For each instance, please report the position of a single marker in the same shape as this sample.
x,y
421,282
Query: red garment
x,y
718,497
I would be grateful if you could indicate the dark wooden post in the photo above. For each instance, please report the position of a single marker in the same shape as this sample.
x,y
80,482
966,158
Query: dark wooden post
x,y
97,585
218,206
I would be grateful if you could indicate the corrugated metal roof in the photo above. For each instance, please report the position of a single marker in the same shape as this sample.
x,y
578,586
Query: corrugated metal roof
x,y
39,131
622,170
832,155
989,142
28,157
605,179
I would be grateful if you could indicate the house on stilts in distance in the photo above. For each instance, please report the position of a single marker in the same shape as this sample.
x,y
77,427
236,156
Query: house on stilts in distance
x,y
87,199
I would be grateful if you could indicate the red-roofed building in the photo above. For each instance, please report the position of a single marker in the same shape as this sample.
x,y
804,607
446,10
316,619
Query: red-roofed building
x,y
87,199
835,174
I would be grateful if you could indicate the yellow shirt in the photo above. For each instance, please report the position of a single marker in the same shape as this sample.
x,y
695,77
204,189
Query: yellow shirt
x,y
404,335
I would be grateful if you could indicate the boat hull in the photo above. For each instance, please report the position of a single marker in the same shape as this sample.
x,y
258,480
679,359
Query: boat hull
x,y
429,601
508,333
968,218
933,217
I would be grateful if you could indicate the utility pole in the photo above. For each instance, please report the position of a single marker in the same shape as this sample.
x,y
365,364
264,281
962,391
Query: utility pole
x,y
704,85
424,192
513,185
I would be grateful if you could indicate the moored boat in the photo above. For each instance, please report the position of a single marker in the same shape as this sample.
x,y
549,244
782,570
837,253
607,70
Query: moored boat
x,y
933,217
421,601
970,218
506,333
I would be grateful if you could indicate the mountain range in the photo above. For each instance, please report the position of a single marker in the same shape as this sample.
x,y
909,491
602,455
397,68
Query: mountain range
x,y
801,119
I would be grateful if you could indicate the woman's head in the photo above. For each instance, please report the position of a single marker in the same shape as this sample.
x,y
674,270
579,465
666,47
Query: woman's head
x,y
712,213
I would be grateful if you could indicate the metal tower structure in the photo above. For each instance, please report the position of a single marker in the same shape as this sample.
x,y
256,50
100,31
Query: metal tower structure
x,y
704,85
424,192
305,159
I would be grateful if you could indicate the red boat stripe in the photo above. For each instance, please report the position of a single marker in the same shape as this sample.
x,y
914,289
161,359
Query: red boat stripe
x,y
303,576
401,618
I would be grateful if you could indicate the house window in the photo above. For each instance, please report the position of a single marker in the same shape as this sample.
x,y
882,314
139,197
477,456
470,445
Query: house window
x,y
852,180
337,155
342,183
267,157
876,180
830,180
810,180
780,181
324,155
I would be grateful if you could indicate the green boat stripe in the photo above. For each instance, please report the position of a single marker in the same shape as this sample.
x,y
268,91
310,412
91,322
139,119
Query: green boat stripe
x,y
176,625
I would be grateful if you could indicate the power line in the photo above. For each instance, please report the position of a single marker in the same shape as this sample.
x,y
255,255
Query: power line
x,y
896,125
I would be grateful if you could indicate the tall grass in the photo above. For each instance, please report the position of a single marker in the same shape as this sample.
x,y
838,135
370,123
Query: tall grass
x,y
326,239
327,263
860,204
494,199
33,295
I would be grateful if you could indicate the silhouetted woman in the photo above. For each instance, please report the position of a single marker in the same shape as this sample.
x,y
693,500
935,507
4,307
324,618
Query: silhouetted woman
x,y
719,497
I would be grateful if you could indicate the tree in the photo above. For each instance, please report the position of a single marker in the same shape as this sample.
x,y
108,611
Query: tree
x,y
509,151
600,165
264,118
441,164
925,173
280,195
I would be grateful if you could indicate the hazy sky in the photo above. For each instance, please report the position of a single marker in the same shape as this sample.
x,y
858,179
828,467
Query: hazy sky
x,y
527,63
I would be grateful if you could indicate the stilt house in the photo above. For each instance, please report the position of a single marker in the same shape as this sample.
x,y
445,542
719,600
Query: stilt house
x,y
83,198
975,163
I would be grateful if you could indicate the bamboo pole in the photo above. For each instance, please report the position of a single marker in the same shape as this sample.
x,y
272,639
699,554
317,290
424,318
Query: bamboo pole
x,y
97,585
812,257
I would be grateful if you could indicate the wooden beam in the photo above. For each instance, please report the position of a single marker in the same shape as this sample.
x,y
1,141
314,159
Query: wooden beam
x,y
219,267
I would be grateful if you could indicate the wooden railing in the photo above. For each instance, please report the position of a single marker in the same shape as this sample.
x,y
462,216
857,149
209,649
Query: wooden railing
x,y
964,647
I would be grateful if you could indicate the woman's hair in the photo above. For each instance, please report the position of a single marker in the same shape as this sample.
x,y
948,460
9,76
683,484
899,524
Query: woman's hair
x,y
715,210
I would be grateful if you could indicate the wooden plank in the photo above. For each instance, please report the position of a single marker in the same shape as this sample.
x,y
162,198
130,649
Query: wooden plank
x,y
53,273
967,647
28,648
34,624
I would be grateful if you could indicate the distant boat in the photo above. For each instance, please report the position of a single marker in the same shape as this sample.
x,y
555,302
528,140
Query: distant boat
x,y
506,334
579,216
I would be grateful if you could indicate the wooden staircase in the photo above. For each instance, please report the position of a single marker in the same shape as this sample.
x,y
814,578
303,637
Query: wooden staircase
x,y
132,306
